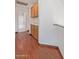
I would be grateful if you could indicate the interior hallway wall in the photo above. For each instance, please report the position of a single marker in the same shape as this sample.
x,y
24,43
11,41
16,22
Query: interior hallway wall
x,y
51,12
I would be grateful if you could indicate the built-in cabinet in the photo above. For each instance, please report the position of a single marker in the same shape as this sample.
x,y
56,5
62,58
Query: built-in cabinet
x,y
34,10
34,31
34,16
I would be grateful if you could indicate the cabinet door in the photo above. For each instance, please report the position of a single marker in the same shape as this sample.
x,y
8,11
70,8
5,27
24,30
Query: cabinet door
x,y
34,10
34,31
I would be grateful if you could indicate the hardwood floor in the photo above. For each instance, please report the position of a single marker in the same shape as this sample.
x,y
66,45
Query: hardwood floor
x,y
28,48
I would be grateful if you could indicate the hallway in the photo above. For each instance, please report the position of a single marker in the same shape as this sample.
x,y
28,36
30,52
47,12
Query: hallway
x,y
28,48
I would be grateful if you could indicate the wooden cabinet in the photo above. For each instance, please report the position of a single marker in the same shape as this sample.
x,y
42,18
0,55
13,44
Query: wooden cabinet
x,y
34,10
34,31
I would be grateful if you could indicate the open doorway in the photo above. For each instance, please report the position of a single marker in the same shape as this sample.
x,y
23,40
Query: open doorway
x,y
21,18
27,17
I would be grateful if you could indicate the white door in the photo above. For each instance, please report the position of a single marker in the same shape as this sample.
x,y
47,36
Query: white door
x,y
22,19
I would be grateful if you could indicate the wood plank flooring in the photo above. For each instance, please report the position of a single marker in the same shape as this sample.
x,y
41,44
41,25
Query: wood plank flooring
x,y
28,48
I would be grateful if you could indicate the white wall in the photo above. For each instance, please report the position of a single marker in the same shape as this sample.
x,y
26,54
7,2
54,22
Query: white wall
x,y
51,12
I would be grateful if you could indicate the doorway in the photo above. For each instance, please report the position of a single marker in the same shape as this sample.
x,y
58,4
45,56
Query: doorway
x,y
21,18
